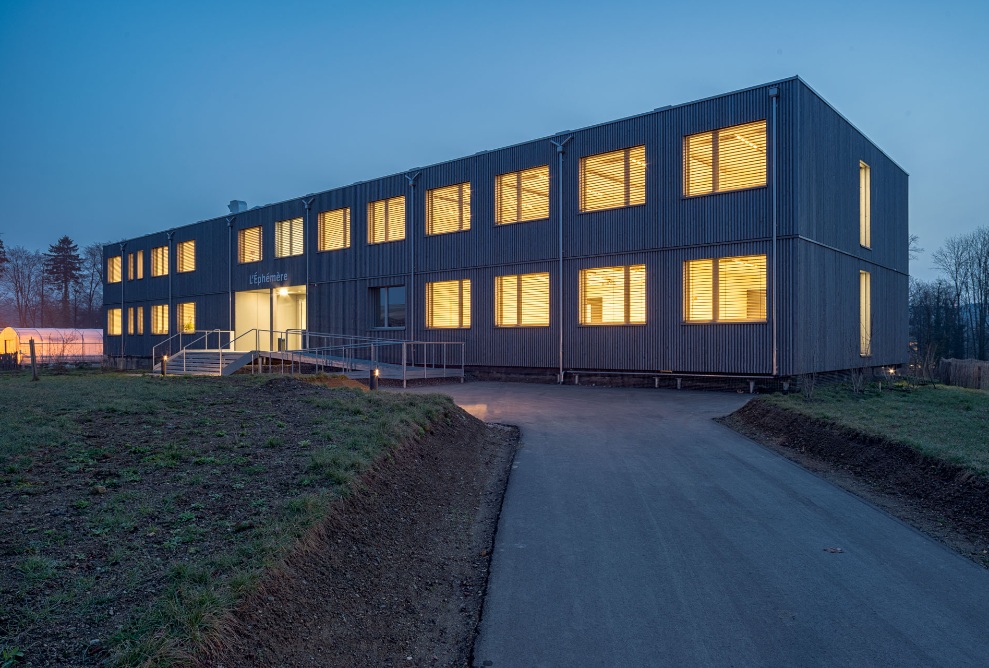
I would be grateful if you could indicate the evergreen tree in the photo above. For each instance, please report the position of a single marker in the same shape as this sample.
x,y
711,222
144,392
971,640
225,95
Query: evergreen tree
x,y
3,257
63,267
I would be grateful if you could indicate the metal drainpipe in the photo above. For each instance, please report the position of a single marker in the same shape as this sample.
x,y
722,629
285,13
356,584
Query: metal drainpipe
x,y
230,272
559,287
168,268
123,309
410,293
305,248
774,94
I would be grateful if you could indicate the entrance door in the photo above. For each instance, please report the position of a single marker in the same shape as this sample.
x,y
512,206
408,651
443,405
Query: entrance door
x,y
274,313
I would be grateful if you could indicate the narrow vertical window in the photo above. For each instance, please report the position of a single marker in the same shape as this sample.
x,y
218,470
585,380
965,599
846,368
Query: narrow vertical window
x,y
159,261
522,300
139,316
865,205
729,289
386,220
522,196
613,295
135,320
135,265
611,180
185,316
334,229
113,269
865,314
732,158
185,256
698,288
249,245
448,209
159,318
130,320
448,304
113,321
289,237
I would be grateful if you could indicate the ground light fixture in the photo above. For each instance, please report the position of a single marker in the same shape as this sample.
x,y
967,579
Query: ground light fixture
x,y
373,378
164,363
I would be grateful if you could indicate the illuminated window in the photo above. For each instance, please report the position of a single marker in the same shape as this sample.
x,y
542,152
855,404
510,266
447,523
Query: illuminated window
x,y
113,321
288,237
135,265
613,295
249,245
522,300
388,305
726,159
113,269
611,180
448,209
159,318
386,220
865,314
185,256
522,196
334,229
738,282
135,320
185,316
865,205
159,261
448,304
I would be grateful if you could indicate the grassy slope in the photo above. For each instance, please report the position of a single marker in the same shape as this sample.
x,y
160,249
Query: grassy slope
x,y
949,423
182,489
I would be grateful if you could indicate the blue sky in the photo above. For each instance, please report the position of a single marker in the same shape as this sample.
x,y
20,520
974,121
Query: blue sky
x,y
118,119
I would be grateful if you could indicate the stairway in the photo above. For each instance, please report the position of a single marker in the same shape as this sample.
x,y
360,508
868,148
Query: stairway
x,y
205,363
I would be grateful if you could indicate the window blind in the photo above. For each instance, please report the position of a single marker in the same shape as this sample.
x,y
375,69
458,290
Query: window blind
x,y
334,229
448,304
159,261
731,158
185,256
386,220
613,295
522,196
159,318
615,179
448,209
185,316
113,321
289,237
135,320
522,300
865,205
249,245
113,269
135,265
738,282
865,314
698,279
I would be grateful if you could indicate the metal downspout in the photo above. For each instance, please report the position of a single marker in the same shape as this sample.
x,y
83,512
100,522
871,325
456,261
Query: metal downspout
x,y
411,292
168,268
230,272
559,212
306,249
774,94
123,309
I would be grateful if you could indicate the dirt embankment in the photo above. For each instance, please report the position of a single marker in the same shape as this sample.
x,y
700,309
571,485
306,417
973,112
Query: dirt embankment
x,y
941,499
397,574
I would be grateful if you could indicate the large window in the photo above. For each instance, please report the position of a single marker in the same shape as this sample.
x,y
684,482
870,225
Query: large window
x,y
448,209
727,289
726,159
113,321
522,300
865,314
521,196
613,295
388,305
135,320
249,245
135,265
159,261
865,205
289,237
611,180
334,229
185,316
159,318
185,256
113,269
448,304
386,220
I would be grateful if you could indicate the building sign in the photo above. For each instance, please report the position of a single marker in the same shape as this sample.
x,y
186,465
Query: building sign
x,y
258,278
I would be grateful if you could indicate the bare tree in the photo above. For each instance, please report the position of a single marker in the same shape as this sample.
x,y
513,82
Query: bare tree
x,y
22,279
88,295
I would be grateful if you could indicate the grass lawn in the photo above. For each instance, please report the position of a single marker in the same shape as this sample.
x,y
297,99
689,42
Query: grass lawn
x,y
135,510
948,423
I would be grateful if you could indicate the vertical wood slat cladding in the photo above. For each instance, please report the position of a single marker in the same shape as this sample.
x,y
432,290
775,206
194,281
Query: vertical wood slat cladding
x,y
810,143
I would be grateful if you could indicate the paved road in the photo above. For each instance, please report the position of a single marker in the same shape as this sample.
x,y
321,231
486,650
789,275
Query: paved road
x,y
638,532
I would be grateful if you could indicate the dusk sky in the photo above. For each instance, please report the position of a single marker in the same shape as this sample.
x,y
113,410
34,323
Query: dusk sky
x,y
119,119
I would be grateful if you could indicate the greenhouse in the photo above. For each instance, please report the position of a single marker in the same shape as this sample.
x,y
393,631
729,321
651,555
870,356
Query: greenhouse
x,y
53,346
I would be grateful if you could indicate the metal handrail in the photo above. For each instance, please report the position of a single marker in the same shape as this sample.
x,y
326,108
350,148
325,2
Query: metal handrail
x,y
205,334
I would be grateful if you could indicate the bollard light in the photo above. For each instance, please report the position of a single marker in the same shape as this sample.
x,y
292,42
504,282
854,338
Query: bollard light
x,y
164,363
373,379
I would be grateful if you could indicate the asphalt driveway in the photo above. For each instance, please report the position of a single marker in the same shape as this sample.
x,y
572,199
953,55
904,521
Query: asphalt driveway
x,y
638,532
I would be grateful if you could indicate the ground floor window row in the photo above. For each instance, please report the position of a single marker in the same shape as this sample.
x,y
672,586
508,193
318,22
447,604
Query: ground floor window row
x,y
185,319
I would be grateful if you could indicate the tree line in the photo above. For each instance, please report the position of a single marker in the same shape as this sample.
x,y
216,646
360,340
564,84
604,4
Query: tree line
x,y
62,287
949,316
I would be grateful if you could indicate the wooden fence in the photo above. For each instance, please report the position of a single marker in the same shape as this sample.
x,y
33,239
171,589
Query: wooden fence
x,y
973,374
